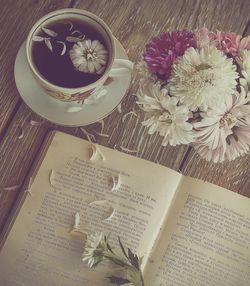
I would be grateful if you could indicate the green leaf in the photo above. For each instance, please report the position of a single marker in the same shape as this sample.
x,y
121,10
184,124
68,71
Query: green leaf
x,y
122,248
135,277
118,280
116,260
140,260
133,259
109,247
106,237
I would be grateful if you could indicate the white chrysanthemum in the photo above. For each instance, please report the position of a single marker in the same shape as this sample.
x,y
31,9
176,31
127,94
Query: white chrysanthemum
x,y
164,115
244,63
203,78
93,251
89,56
224,132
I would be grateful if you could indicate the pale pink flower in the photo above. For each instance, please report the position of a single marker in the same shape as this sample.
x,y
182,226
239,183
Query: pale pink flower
x,y
202,37
224,131
230,43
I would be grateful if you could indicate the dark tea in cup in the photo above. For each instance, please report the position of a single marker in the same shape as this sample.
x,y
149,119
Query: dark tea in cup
x,y
61,47
71,54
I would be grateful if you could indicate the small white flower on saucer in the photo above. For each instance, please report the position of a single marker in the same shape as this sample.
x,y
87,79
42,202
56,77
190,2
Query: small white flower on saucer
x,y
89,56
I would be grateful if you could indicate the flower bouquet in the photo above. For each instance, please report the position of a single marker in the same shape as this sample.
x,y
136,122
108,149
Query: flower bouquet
x,y
194,89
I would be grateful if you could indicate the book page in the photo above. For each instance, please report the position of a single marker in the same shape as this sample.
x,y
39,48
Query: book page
x,y
40,249
206,239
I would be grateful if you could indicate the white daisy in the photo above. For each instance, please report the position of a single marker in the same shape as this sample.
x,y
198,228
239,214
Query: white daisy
x,y
89,56
224,132
203,78
93,251
164,115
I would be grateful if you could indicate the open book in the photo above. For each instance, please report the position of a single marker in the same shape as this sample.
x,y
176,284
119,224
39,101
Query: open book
x,y
189,232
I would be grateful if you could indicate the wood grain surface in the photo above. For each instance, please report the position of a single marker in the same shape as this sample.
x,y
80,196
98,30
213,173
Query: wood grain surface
x,y
16,19
133,23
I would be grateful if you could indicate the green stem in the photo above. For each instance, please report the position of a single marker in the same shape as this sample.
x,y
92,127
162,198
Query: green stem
x,y
133,273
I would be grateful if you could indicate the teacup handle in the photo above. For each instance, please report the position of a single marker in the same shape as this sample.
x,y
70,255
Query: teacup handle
x,y
121,67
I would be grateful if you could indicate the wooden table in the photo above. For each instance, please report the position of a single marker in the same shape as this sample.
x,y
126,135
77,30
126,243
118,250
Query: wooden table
x,y
133,22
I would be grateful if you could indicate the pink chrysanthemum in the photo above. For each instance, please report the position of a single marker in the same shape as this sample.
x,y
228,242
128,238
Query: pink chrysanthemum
x,y
230,43
224,132
163,50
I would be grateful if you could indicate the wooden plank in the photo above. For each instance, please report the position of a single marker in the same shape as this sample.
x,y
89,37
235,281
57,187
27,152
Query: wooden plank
x,y
16,19
17,151
233,175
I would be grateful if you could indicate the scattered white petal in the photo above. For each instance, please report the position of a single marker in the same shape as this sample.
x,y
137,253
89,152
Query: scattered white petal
x,y
77,221
95,96
11,188
102,124
52,178
116,181
74,109
99,203
35,123
101,134
21,133
48,44
64,47
96,154
127,114
49,32
119,108
37,39
29,186
88,135
111,215
71,26
72,39
107,209
76,32
128,150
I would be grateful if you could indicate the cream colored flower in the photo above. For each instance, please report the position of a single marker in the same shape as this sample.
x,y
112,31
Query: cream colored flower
x,y
93,251
89,56
203,78
164,115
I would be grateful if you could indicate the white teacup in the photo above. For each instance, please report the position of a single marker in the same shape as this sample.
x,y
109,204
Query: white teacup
x,y
114,67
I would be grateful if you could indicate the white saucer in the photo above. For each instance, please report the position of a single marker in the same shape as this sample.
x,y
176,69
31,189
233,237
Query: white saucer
x,y
56,111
